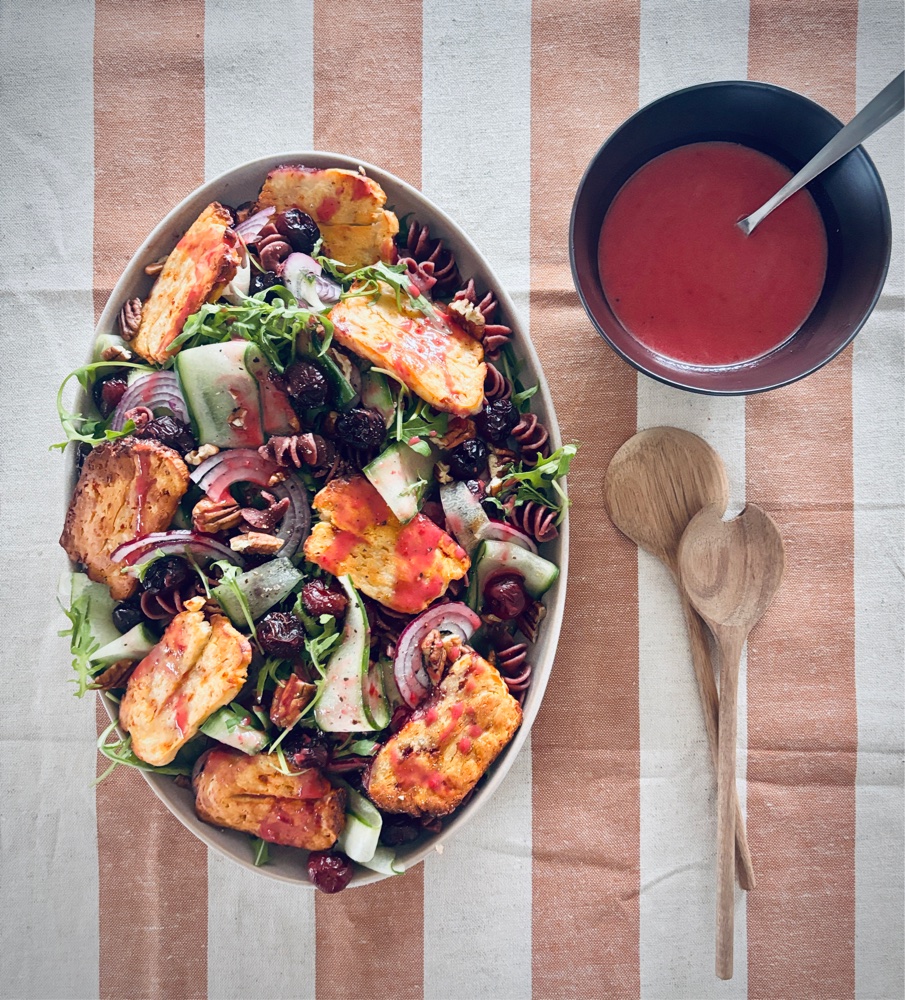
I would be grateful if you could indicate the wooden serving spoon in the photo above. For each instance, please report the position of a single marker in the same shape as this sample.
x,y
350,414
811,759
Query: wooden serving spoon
x,y
655,484
731,570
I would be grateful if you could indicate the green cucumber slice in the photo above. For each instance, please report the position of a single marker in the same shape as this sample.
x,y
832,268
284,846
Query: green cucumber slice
x,y
277,414
400,475
376,395
234,726
539,574
261,587
384,861
376,706
359,836
340,708
98,604
465,517
222,395
134,645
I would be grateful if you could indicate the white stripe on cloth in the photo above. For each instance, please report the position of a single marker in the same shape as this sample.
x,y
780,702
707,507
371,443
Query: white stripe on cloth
x,y
258,72
677,796
259,98
878,378
49,924
476,164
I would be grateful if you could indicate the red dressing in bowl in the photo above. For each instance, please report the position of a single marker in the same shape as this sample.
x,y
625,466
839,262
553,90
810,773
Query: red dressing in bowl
x,y
683,279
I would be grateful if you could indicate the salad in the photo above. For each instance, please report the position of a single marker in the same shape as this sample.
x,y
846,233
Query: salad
x,y
307,522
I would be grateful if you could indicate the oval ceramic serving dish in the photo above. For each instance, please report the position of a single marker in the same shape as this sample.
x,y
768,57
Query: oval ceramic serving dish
x,y
233,188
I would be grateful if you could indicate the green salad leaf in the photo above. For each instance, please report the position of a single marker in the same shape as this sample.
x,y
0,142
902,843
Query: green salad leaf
x,y
89,430
394,275
120,751
540,483
82,643
260,850
420,426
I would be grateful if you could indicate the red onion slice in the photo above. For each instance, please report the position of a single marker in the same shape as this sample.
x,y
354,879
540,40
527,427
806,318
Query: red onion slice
x,y
497,531
236,465
408,666
297,520
252,226
156,391
303,276
133,555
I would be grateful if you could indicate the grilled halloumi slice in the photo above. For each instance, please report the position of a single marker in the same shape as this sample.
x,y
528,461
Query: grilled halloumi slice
x,y
358,246
432,355
127,488
200,266
347,207
433,762
403,566
197,667
334,196
251,794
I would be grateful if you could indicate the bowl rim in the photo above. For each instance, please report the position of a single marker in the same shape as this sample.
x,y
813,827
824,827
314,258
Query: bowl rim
x,y
130,279
753,85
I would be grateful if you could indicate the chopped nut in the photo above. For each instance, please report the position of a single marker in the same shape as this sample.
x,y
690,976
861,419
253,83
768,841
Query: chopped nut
x,y
500,460
530,620
115,353
458,429
290,700
438,650
203,453
115,675
195,603
276,479
469,317
130,319
210,516
152,270
256,543
237,417
441,474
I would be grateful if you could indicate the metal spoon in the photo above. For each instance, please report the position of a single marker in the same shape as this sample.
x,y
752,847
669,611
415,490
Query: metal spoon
x,y
655,484
882,109
731,571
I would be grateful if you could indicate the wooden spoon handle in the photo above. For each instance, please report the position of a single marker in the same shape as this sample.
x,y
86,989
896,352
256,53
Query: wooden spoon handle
x,y
703,670
730,654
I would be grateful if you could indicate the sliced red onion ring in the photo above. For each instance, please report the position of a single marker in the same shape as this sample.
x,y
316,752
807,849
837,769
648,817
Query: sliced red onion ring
x,y
297,520
408,666
497,531
252,226
303,276
133,555
236,465
156,391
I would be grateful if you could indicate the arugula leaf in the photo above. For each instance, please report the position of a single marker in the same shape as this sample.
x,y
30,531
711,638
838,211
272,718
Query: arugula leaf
x,y
82,643
323,637
394,275
271,319
89,430
228,579
260,851
539,483
270,674
420,426
120,752
520,399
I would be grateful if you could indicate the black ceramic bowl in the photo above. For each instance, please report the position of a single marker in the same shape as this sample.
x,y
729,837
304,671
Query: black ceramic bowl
x,y
791,129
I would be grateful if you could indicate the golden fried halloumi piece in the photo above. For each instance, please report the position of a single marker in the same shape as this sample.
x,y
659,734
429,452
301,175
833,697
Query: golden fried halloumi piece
x,y
127,488
200,266
433,356
434,761
358,246
197,667
403,566
335,196
251,794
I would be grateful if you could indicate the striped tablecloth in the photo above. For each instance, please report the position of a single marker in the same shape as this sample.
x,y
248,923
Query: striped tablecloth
x,y
591,873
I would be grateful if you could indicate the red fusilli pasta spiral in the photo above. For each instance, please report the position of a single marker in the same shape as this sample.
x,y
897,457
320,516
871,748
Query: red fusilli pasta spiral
x,y
166,604
422,275
512,663
423,250
496,385
272,247
298,450
534,519
496,335
532,436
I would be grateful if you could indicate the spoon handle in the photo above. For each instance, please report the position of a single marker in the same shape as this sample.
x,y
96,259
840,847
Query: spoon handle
x,y
730,643
710,702
875,114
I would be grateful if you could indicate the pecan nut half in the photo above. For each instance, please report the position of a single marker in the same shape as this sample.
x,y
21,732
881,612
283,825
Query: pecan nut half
x,y
210,516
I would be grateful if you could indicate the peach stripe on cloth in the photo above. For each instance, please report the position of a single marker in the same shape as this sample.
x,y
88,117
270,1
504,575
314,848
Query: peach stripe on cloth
x,y
576,881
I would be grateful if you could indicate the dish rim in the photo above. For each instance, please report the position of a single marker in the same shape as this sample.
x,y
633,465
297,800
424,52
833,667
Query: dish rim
x,y
414,201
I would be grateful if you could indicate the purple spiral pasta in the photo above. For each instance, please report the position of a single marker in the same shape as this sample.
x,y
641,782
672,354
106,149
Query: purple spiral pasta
x,y
512,663
166,604
496,385
299,449
423,250
535,520
496,335
532,436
